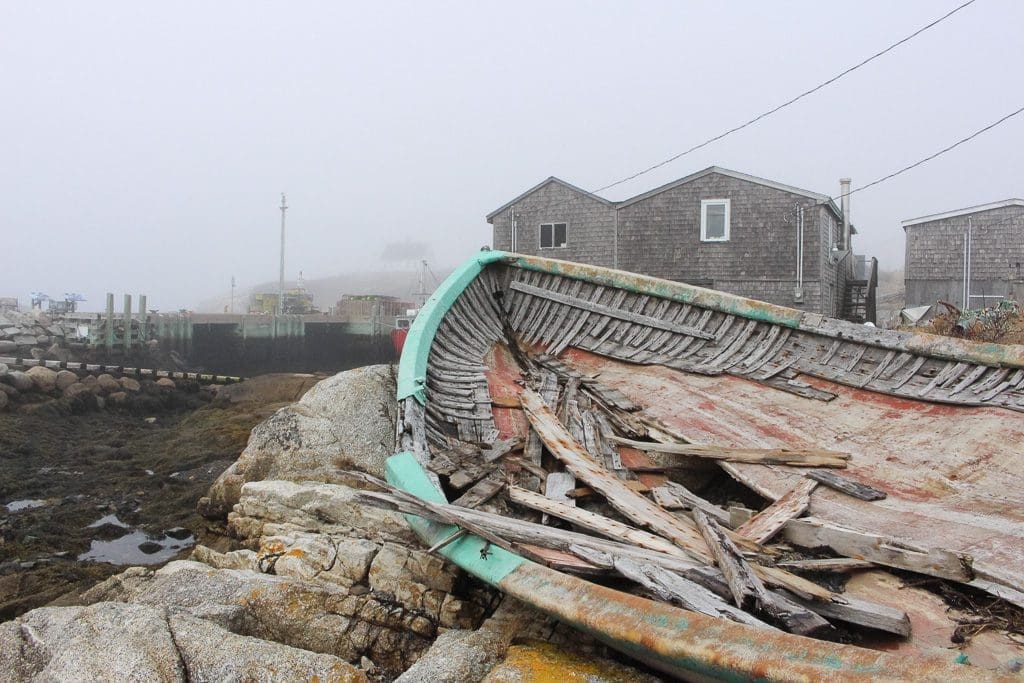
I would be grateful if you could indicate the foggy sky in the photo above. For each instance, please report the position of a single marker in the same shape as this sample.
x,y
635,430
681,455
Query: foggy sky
x,y
145,145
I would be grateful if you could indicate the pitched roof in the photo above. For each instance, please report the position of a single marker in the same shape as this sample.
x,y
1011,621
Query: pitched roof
x,y
822,198
550,179
963,212
817,196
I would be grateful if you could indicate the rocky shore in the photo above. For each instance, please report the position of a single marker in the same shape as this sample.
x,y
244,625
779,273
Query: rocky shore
x,y
291,580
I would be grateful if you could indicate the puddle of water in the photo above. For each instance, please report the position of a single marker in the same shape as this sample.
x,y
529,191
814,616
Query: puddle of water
x,y
126,550
27,504
107,519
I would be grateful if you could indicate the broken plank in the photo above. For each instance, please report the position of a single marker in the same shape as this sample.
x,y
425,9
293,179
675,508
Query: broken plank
x,y
827,564
628,502
563,561
556,486
593,522
482,491
859,612
815,533
674,496
769,521
799,457
775,607
500,448
745,587
846,485
674,588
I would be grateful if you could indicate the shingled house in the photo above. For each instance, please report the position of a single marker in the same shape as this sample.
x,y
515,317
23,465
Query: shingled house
x,y
715,228
969,255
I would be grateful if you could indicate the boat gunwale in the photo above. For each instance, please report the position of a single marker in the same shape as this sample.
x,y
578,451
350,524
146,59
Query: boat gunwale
x,y
415,353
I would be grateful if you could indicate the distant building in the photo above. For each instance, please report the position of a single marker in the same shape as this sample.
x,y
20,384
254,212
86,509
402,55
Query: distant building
x,y
715,228
982,246
358,308
8,303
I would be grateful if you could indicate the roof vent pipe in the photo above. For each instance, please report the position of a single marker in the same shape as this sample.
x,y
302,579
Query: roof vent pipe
x,y
844,193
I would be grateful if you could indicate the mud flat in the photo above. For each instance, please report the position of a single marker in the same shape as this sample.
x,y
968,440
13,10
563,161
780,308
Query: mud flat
x,y
86,494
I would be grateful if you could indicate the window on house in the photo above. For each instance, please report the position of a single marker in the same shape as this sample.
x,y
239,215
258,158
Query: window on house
x,y
714,220
552,235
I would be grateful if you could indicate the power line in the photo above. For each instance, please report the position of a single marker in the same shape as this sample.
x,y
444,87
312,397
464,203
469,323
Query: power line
x,y
789,102
936,154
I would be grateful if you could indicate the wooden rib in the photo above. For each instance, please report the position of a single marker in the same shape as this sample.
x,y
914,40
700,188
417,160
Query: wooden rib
x,y
607,310
910,374
769,521
577,326
882,365
968,380
950,369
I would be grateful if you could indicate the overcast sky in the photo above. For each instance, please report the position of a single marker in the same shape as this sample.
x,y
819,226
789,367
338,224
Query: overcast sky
x,y
145,145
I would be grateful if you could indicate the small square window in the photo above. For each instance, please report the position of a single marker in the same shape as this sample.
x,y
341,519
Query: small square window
x,y
714,220
552,235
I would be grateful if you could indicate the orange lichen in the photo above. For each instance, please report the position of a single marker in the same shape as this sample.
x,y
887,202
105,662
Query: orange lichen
x,y
538,662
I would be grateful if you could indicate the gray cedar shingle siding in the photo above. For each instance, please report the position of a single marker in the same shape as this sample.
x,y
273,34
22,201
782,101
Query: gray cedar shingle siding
x,y
658,234
935,256
590,231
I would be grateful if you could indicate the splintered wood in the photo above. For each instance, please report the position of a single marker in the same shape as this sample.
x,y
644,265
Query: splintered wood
x,y
593,486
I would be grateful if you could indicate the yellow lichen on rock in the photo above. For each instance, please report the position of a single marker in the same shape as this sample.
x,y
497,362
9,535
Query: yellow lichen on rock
x,y
539,662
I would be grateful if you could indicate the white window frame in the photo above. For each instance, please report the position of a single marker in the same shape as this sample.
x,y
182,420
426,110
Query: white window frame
x,y
704,204
540,235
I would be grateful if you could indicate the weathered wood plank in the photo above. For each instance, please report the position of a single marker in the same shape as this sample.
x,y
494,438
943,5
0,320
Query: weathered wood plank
x,y
482,491
769,521
501,448
815,533
846,485
860,612
593,522
673,496
617,313
800,457
674,588
775,607
827,564
630,503
746,588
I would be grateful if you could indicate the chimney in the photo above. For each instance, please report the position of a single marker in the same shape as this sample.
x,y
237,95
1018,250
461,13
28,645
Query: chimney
x,y
844,193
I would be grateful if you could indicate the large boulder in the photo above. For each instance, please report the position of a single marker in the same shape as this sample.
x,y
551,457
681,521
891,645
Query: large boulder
x,y
8,346
45,379
66,378
124,642
129,384
19,380
344,422
107,383
311,615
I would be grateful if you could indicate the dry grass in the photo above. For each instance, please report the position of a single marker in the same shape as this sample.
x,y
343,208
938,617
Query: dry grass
x,y
1002,324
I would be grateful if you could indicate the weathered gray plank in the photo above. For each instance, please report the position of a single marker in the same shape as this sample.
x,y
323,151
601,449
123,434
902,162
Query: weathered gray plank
x,y
846,485
609,311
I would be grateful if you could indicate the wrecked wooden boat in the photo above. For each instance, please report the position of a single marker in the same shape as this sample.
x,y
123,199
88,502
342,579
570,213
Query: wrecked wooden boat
x,y
689,475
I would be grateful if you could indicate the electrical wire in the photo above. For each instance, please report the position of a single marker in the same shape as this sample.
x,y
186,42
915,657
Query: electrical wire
x,y
788,102
936,154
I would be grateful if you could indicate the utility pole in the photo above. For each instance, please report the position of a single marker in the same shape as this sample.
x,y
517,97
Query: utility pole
x,y
232,294
280,275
